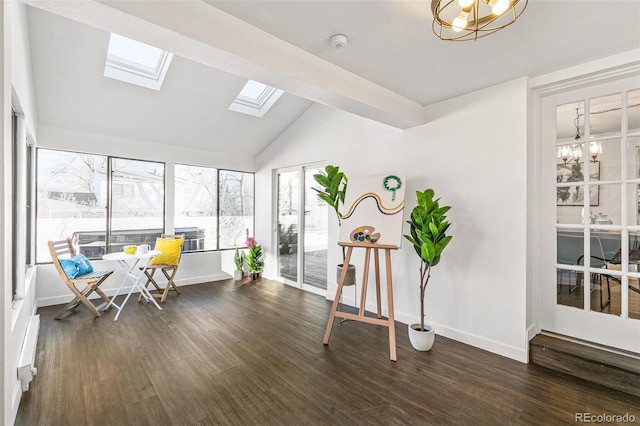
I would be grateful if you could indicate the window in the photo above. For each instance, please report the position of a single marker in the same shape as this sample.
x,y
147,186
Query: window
x,y
21,182
15,190
105,203
255,99
236,207
28,252
214,208
73,194
71,199
136,63
196,209
137,208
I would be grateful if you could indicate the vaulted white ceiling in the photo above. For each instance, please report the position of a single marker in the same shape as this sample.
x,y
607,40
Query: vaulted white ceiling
x,y
392,43
190,109
392,67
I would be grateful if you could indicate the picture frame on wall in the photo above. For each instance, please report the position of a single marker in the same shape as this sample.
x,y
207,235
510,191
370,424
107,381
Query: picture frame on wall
x,y
574,195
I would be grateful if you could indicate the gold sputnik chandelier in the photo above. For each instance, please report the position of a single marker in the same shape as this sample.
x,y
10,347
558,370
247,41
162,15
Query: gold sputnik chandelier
x,y
464,20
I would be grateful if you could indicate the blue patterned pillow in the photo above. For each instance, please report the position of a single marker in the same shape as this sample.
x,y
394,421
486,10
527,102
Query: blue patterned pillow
x,y
76,266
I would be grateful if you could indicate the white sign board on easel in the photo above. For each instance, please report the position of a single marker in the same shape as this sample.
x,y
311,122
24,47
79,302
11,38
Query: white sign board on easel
x,y
373,210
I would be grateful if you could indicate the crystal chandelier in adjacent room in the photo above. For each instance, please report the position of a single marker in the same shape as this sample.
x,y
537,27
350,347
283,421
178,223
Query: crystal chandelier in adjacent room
x,y
464,20
574,152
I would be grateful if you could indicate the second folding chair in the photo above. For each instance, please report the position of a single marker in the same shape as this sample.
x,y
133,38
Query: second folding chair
x,y
167,263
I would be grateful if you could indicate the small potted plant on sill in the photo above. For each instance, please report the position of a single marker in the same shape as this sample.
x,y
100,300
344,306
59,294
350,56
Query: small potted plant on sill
x,y
254,258
334,188
428,227
238,259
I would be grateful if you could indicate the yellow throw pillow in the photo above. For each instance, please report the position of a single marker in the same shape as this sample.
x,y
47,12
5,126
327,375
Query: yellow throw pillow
x,y
170,251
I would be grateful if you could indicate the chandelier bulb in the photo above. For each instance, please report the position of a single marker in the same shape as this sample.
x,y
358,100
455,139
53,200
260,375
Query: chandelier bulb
x,y
460,22
465,3
595,148
498,7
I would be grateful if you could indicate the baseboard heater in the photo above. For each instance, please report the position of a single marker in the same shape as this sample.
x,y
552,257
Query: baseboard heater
x,y
26,363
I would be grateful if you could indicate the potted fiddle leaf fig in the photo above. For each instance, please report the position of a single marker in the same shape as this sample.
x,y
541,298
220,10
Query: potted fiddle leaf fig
x,y
428,229
334,187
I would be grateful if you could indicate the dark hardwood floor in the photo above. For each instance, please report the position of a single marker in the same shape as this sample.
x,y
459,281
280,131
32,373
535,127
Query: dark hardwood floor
x,y
251,353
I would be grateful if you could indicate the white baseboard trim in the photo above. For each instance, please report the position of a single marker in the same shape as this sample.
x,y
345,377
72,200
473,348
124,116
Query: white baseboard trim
x,y
202,279
66,298
515,353
509,351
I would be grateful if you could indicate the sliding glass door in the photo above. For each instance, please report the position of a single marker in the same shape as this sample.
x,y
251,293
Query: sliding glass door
x,y
288,224
316,235
301,230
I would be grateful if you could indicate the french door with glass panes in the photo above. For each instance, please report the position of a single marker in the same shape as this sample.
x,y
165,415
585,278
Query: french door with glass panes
x,y
591,161
301,229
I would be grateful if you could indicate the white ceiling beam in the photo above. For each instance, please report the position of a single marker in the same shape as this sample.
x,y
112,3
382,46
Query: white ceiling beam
x,y
205,34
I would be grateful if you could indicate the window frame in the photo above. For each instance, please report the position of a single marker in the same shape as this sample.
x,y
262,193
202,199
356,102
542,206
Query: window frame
x,y
22,240
175,225
253,196
166,183
15,291
109,159
110,184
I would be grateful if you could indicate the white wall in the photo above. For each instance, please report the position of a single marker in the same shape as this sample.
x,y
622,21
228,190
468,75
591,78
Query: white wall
x,y
17,91
194,267
71,140
21,75
473,152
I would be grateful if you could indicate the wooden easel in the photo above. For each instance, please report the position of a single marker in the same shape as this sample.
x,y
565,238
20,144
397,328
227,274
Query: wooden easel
x,y
389,323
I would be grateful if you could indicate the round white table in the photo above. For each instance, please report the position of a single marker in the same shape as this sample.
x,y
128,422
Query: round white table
x,y
130,264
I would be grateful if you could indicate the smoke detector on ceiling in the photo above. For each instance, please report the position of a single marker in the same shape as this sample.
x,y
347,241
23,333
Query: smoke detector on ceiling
x,y
339,41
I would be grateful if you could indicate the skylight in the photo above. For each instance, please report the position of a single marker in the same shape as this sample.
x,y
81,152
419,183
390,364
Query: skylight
x,y
255,99
137,63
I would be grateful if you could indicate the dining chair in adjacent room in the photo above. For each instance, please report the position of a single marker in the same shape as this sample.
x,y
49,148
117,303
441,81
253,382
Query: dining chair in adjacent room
x,y
598,260
570,250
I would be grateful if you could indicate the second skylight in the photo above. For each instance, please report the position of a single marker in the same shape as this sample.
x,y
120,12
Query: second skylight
x,y
255,99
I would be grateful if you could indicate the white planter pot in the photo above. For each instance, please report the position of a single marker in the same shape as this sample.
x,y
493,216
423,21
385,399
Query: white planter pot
x,y
238,275
421,340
